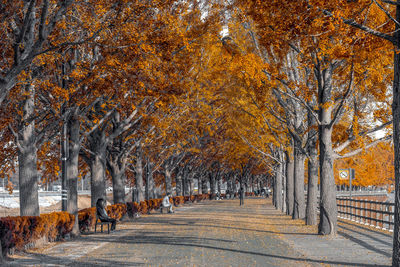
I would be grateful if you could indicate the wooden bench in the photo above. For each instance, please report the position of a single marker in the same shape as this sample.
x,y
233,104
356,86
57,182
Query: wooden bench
x,y
98,221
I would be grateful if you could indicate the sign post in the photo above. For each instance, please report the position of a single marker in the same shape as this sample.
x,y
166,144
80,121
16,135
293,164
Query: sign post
x,y
351,170
347,174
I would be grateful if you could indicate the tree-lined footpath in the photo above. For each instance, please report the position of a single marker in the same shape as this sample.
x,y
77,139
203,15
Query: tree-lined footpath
x,y
163,93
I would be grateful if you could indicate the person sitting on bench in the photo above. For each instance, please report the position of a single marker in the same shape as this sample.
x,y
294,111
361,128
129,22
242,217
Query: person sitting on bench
x,y
102,213
167,204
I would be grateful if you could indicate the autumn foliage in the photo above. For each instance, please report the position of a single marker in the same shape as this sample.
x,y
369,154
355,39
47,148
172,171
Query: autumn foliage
x,y
373,167
21,231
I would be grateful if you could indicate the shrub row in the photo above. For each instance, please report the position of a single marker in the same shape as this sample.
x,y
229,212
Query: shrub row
x,y
21,231
87,216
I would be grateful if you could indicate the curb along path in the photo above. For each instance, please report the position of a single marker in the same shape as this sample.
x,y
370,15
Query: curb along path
x,y
212,233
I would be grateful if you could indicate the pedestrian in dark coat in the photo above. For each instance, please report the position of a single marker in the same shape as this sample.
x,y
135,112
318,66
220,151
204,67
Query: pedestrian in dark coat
x,y
102,213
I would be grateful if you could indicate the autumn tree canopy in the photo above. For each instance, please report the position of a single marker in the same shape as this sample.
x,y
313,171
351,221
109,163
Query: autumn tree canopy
x,y
159,94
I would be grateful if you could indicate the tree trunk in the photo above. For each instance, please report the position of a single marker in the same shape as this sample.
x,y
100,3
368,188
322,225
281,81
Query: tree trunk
x,y
116,164
289,184
28,179
230,185
27,160
212,184
119,187
299,208
328,209
179,183
73,170
278,181
284,207
312,189
97,164
219,184
168,180
396,140
118,178
186,183
190,182
198,183
97,179
147,179
204,186
152,188
139,175
274,194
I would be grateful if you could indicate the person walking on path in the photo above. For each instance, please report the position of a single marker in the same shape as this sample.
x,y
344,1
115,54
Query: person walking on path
x,y
102,213
167,204
241,196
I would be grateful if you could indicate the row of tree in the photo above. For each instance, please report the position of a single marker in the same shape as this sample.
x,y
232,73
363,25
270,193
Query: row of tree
x,y
108,88
159,92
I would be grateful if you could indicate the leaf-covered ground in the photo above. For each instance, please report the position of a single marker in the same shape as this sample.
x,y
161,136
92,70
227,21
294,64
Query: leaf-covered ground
x,y
212,233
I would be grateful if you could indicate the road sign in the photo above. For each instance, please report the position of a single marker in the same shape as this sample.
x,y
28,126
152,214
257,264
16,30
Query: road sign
x,y
347,174
344,174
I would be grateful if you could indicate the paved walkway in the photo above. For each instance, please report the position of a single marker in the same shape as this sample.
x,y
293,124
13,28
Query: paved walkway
x,y
216,233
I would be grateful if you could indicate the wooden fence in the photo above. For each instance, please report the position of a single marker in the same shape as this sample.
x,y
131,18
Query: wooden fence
x,y
373,213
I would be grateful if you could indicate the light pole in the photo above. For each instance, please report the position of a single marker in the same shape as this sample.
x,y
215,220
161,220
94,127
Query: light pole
x,y
64,157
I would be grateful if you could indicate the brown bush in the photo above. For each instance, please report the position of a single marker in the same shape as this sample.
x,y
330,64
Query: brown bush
x,y
20,231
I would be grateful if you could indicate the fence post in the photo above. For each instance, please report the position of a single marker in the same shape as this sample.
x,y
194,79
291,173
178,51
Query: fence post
x,y
364,212
367,212
382,226
390,216
370,213
358,203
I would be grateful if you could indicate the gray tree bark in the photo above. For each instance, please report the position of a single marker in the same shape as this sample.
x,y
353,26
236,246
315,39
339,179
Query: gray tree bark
x,y
27,159
117,172
289,184
139,174
274,186
328,209
204,186
168,180
299,208
187,182
97,164
278,187
73,169
116,164
199,189
396,140
284,207
219,184
150,180
179,183
211,177
312,187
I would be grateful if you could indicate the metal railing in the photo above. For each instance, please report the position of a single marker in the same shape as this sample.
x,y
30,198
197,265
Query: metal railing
x,y
372,213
